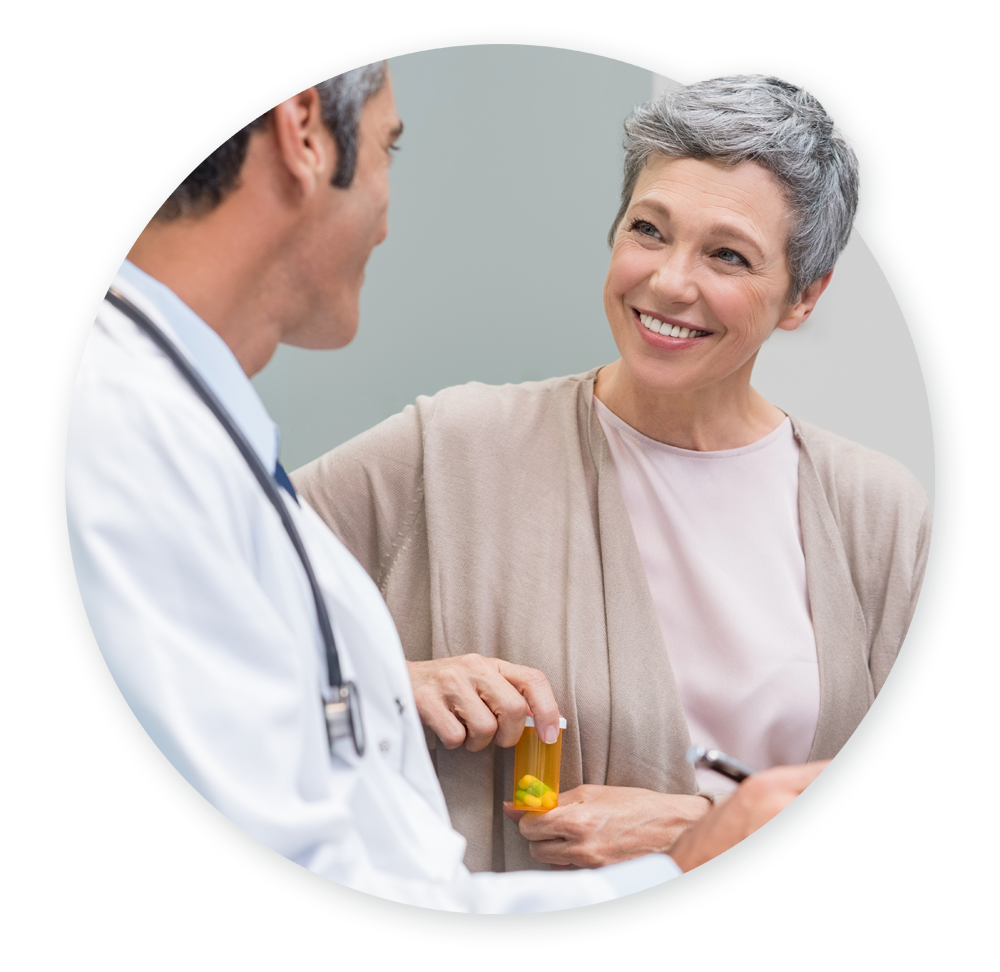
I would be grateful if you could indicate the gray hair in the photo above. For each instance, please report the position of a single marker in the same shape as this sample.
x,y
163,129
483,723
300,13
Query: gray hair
x,y
341,101
773,123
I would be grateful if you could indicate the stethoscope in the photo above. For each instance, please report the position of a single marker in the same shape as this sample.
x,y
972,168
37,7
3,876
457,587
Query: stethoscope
x,y
343,710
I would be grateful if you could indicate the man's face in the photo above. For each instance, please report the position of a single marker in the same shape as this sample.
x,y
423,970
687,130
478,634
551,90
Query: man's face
x,y
343,229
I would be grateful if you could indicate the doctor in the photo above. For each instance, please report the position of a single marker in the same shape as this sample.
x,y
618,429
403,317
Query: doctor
x,y
197,597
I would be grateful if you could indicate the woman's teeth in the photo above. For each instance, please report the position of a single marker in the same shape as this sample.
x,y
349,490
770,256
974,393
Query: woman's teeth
x,y
658,327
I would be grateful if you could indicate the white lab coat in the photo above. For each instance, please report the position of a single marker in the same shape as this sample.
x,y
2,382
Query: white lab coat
x,y
205,618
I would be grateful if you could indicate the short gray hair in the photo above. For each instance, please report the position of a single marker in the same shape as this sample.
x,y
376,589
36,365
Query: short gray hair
x,y
765,120
341,100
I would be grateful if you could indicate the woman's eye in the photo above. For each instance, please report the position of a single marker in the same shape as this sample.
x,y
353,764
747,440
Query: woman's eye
x,y
732,257
646,229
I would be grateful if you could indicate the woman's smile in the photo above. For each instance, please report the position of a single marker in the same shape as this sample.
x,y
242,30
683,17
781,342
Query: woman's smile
x,y
666,332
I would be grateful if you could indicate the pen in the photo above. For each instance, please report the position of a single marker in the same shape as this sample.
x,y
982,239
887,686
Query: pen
x,y
717,760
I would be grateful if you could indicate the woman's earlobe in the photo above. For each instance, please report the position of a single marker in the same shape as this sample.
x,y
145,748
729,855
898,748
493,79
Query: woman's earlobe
x,y
806,303
814,291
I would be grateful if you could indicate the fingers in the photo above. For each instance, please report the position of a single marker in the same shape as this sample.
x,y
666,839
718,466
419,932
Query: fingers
x,y
556,851
561,840
509,811
473,700
449,704
768,792
437,715
534,686
546,826
758,799
549,843
506,704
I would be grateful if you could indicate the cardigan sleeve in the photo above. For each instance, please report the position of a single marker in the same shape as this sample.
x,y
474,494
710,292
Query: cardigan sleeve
x,y
883,519
914,540
369,490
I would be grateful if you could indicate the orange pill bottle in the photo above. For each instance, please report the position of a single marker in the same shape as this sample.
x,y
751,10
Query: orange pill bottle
x,y
536,770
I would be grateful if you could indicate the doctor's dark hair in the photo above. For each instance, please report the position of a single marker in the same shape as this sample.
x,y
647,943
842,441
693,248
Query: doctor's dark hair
x,y
341,98
770,122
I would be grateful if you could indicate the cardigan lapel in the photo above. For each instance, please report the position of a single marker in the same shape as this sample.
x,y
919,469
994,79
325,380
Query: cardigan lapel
x,y
649,735
845,685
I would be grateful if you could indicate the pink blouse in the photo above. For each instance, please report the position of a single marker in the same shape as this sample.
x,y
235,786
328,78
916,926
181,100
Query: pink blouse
x,y
719,539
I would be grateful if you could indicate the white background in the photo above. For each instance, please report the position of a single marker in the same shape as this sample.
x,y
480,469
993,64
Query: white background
x,y
20,593
507,284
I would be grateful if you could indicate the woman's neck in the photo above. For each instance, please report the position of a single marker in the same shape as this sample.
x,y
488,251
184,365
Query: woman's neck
x,y
728,415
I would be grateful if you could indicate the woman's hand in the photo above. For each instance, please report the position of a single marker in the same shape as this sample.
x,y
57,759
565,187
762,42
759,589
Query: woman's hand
x,y
597,825
475,700
758,799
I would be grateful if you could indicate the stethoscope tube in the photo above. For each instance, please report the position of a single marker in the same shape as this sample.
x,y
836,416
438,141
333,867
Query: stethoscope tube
x,y
343,711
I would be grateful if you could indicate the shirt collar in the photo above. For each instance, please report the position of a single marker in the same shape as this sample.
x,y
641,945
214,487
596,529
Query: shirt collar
x,y
214,361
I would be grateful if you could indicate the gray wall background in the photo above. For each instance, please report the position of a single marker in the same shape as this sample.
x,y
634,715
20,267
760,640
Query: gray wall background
x,y
494,266
496,257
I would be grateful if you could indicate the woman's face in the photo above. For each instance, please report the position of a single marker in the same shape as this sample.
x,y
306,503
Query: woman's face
x,y
700,248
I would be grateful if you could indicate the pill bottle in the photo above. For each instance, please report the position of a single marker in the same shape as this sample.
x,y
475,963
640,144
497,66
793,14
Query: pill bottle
x,y
536,770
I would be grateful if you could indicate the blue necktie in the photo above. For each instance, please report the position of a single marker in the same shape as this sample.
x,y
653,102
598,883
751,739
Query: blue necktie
x,y
282,477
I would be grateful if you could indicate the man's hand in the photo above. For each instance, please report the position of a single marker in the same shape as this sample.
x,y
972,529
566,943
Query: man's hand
x,y
597,825
758,799
473,700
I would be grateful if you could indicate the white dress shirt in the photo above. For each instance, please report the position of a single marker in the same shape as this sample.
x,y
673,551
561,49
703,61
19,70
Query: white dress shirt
x,y
719,541
206,620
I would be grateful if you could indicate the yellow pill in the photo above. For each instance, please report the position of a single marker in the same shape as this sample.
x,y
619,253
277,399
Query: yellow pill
x,y
525,781
550,800
531,801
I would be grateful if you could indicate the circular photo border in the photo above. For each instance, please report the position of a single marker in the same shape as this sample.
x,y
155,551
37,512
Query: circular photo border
x,y
786,832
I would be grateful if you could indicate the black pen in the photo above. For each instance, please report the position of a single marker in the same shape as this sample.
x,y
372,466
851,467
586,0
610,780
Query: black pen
x,y
717,760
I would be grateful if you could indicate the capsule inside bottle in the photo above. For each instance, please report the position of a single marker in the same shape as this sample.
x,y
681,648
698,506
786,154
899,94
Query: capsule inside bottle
x,y
536,770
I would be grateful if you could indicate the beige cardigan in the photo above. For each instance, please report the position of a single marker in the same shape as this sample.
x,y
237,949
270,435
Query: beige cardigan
x,y
491,519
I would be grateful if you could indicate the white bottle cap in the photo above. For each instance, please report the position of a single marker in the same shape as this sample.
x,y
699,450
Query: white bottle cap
x,y
529,721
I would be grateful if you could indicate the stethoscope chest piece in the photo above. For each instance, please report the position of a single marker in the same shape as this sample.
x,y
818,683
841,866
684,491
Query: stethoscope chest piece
x,y
343,717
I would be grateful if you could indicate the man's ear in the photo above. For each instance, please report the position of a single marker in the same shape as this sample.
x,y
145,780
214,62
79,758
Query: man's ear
x,y
305,144
797,313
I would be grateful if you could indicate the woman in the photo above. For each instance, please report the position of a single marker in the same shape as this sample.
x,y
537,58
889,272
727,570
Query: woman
x,y
681,559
